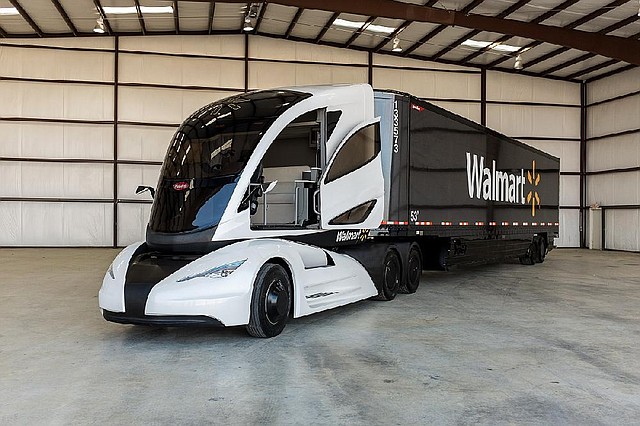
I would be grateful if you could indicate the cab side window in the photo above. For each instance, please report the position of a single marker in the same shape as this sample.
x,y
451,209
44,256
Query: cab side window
x,y
362,147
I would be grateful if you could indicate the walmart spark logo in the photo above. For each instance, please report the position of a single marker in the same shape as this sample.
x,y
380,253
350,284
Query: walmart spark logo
x,y
532,197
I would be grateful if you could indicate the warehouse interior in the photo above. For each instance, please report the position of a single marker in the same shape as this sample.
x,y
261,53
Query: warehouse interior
x,y
91,93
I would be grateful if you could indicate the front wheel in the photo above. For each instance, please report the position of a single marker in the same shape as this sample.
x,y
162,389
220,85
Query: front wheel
x,y
270,302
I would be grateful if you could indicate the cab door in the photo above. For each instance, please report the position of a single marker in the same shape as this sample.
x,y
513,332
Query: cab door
x,y
352,186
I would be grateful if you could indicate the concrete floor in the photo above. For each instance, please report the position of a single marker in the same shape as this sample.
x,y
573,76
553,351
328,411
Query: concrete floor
x,y
553,343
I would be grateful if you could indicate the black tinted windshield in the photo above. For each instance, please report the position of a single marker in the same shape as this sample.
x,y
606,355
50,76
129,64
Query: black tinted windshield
x,y
206,156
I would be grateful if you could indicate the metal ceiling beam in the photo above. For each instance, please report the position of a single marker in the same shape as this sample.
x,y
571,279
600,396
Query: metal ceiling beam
x,y
548,14
508,11
606,30
3,33
143,27
212,11
66,18
569,27
26,17
439,29
398,30
176,17
103,15
327,26
359,31
610,46
263,10
293,23
590,55
610,73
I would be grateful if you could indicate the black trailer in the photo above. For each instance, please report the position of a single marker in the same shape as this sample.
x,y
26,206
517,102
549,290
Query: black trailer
x,y
463,192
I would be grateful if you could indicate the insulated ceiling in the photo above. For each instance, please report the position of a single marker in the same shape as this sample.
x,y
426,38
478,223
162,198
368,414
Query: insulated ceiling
x,y
496,45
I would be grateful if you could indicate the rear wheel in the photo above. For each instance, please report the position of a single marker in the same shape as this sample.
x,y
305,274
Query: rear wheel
x,y
413,270
391,276
270,302
542,250
529,257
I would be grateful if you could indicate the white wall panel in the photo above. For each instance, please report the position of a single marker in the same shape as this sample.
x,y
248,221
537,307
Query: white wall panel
x,y
55,224
56,180
64,42
56,140
155,105
395,61
130,176
567,151
470,110
534,121
264,75
50,100
143,142
429,84
612,117
227,46
285,50
616,85
569,190
519,88
614,189
613,153
132,222
622,230
182,71
56,64
569,235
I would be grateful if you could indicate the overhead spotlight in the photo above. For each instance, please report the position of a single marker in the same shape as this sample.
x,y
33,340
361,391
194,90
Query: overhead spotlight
x,y
248,25
253,10
518,64
396,45
99,28
638,8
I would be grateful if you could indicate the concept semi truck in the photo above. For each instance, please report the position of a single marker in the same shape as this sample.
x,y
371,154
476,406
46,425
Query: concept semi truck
x,y
282,203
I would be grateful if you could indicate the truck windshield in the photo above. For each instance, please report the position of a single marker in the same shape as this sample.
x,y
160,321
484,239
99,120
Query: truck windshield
x,y
206,156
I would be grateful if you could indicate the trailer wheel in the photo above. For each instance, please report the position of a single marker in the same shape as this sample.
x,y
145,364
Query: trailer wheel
x,y
529,257
413,270
391,276
270,302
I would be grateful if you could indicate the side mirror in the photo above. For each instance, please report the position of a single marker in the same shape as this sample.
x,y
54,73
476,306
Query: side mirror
x,y
142,188
270,187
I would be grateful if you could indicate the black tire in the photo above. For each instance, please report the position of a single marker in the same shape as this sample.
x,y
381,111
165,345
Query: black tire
x,y
270,302
391,276
529,257
413,271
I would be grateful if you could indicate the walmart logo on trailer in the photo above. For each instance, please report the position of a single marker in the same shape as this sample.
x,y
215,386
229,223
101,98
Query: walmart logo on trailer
x,y
491,184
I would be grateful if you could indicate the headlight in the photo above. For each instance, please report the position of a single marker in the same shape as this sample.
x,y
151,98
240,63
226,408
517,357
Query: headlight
x,y
217,272
110,272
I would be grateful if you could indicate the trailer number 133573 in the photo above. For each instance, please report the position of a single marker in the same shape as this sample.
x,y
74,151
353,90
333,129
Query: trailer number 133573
x,y
396,130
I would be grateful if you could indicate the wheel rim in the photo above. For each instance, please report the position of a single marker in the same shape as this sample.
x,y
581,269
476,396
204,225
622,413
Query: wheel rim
x,y
414,268
276,302
391,273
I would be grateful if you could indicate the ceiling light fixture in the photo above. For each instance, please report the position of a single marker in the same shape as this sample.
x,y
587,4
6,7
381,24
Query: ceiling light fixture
x,y
518,64
132,10
357,25
396,45
248,25
639,8
99,28
500,47
8,11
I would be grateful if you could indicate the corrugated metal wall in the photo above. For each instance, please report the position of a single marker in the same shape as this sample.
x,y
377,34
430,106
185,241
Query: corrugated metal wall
x,y
71,157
